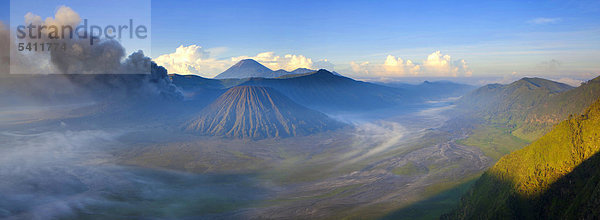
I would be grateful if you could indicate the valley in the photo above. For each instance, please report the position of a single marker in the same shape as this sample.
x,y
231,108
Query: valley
x,y
285,147
240,110
379,164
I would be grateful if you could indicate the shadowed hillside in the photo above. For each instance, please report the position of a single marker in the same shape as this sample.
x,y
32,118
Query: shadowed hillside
x,y
258,112
324,90
544,176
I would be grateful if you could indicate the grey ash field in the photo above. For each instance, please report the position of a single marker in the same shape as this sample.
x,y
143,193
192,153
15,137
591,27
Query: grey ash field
x,y
310,145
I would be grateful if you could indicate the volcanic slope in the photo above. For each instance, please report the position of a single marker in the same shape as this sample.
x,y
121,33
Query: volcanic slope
x,y
258,112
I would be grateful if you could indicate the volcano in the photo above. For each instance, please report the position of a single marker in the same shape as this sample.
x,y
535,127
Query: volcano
x,y
246,69
258,112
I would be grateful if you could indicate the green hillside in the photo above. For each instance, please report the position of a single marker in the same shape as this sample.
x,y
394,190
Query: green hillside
x,y
557,108
558,173
508,117
510,104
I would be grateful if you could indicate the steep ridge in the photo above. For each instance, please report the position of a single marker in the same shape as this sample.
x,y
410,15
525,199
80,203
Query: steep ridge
x,y
509,105
545,179
200,90
558,107
320,90
531,106
325,91
258,112
510,102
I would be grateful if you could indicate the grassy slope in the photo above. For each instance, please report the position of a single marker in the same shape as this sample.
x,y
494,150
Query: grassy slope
x,y
514,115
495,141
557,108
518,185
432,207
510,102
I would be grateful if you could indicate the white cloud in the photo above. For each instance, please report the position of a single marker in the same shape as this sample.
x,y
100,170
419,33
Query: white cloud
x,y
192,59
463,67
570,81
323,64
544,20
41,62
287,62
397,66
64,16
362,68
436,64
196,60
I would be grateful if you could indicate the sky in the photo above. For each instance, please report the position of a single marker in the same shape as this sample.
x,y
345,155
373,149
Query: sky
x,y
375,39
100,13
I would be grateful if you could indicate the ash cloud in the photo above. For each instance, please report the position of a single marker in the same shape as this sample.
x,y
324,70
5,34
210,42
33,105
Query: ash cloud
x,y
83,53
103,57
100,70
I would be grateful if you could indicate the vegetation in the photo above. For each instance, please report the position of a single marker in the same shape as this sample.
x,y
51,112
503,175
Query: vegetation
x,y
558,170
510,102
432,207
494,141
530,106
558,108
410,169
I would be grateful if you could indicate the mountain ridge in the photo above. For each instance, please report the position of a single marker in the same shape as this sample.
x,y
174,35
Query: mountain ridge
x,y
325,91
513,103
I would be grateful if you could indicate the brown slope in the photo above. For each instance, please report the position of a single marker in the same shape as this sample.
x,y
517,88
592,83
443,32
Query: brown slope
x,y
258,112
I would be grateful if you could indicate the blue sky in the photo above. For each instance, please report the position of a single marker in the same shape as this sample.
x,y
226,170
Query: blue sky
x,y
351,27
494,38
100,13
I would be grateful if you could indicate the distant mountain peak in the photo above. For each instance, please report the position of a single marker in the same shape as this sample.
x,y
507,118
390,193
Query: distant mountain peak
x,y
246,68
323,72
534,79
249,68
540,83
248,62
302,70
